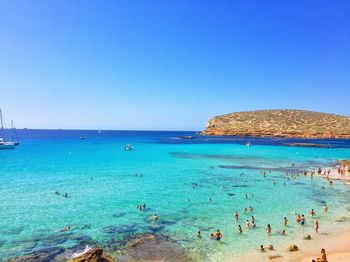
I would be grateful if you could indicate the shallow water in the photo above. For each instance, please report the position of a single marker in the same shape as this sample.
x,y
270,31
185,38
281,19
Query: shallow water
x,y
178,178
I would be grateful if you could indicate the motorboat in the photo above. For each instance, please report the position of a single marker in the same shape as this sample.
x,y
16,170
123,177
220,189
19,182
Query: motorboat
x,y
128,147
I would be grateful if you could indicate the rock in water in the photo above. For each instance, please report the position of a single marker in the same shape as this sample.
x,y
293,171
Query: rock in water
x,y
280,123
155,248
92,255
293,248
307,237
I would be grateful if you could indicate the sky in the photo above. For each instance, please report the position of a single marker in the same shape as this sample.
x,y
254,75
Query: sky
x,y
169,65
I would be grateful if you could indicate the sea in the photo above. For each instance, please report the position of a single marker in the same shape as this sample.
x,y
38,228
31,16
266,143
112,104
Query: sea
x,y
86,180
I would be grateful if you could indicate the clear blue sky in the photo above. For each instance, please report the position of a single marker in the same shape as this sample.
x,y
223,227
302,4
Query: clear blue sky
x,y
169,65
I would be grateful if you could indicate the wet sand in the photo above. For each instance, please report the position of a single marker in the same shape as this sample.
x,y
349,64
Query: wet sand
x,y
337,246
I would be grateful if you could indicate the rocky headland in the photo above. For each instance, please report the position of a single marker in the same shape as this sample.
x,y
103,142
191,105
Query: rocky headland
x,y
280,123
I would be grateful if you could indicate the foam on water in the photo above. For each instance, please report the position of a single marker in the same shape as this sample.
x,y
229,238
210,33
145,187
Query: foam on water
x,y
178,178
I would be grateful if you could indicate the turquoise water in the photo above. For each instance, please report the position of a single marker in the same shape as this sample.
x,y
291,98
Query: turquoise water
x,y
178,178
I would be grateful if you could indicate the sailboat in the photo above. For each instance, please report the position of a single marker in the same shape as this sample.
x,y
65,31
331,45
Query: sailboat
x,y
3,143
14,136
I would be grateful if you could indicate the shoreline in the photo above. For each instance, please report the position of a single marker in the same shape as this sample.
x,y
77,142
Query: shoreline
x,y
336,243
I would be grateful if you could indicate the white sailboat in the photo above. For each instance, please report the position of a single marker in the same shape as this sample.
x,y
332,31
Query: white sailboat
x,y
3,143
14,136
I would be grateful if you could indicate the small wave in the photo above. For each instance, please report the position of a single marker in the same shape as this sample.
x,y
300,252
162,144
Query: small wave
x,y
87,248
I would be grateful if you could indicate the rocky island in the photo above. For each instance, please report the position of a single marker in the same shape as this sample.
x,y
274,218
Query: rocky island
x,y
280,123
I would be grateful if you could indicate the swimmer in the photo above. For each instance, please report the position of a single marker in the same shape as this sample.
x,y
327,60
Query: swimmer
x,y
144,206
57,193
253,219
155,217
198,234
209,199
285,221
211,236
245,210
262,249
218,235
250,209
246,196
247,224
236,215
269,247
282,232
239,229
253,224
65,195
65,229
312,212
298,218
268,229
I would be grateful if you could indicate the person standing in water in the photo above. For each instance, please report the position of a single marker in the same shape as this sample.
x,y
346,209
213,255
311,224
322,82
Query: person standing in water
x,y
236,215
247,224
316,225
302,221
325,208
218,235
285,221
155,217
312,212
239,229
268,229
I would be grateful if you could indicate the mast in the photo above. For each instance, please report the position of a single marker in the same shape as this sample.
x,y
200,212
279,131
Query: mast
x,y
2,125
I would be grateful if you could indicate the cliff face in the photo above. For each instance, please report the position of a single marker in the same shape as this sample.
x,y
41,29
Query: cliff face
x,y
280,123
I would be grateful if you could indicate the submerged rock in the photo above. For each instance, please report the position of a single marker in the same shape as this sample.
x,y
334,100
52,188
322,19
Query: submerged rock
x,y
293,248
151,247
42,255
92,255
119,229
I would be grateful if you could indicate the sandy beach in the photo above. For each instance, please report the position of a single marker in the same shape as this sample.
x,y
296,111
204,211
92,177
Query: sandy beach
x,y
337,246
336,243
